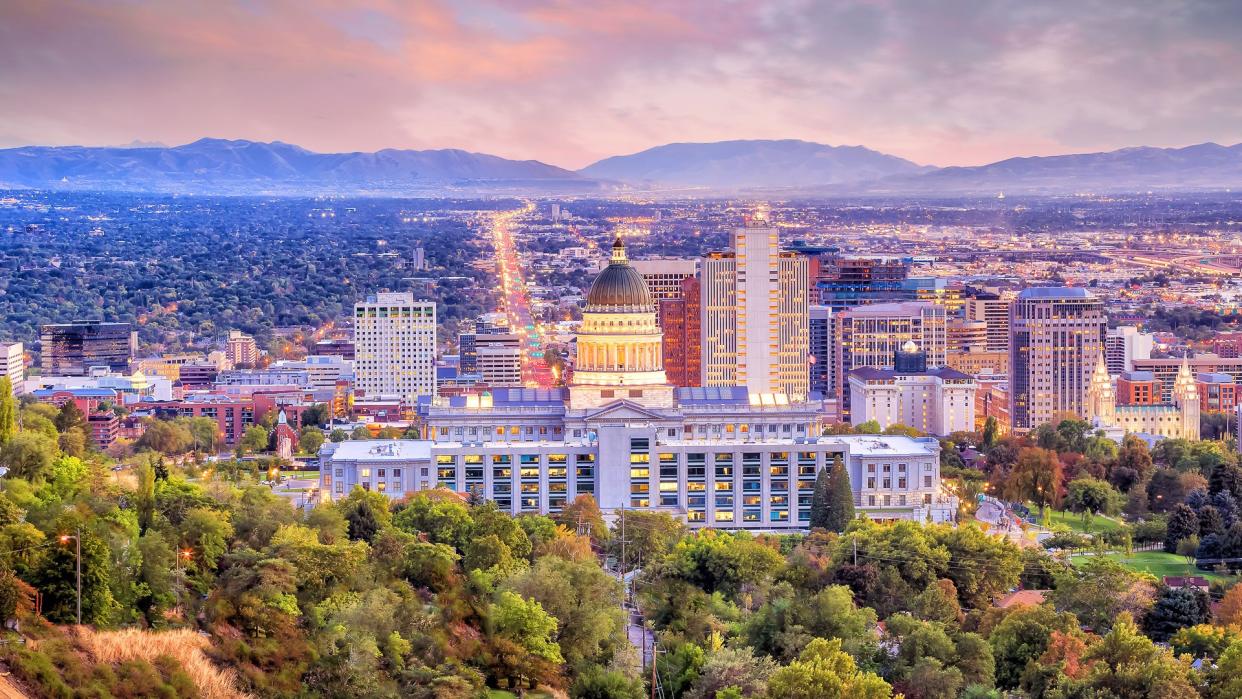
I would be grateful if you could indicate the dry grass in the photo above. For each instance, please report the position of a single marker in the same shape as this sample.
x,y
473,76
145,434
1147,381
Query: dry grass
x,y
183,645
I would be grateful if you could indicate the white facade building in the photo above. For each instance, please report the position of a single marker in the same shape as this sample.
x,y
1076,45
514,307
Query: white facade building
x,y
395,346
1124,344
937,401
13,365
499,359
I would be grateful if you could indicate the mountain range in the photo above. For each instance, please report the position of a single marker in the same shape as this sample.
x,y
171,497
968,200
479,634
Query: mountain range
x,y
786,167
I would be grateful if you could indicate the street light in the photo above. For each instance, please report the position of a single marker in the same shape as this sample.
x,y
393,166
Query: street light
x,y
77,538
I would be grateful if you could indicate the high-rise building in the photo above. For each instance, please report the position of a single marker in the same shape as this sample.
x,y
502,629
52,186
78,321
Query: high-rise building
x,y
848,281
870,336
1056,339
242,349
71,349
937,290
820,348
966,336
467,342
13,358
498,357
681,319
395,346
1124,344
993,310
755,315
665,274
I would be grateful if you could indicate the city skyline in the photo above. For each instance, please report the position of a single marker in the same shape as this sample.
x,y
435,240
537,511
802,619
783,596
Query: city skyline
x,y
583,82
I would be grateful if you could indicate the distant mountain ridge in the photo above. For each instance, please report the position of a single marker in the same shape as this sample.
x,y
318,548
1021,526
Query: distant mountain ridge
x,y
1198,167
212,164
783,167
750,164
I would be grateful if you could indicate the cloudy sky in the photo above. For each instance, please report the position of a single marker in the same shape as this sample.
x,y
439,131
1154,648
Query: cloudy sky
x,y
569,81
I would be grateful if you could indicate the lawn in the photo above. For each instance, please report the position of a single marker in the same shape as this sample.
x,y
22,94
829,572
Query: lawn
x,y
1158,563
1073,520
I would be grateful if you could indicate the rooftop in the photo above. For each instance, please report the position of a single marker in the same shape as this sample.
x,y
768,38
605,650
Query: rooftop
x,y
1055,292
381,450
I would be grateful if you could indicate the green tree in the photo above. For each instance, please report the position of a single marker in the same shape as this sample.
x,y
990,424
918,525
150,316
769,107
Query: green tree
x,y
991,431
1022,636
1183,523
868,427
254,439
70,416
8,410
366,512
56,580
596,682
1099,590
840,497
1225,680
205,433
1091,496
360,432
1176,609
585,601
310,439
527,625
648,536
819,500
28,455
338,435
732,667
824,671
166,437
1124,663
1036,476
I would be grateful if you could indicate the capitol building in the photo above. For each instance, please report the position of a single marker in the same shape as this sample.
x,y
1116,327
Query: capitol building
x,y
716,456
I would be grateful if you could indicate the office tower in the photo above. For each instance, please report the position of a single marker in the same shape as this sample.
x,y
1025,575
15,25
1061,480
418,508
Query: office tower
x,y
71,349
1056,337
937,290
395,346
1218,393
870,336
680,320
993,310
13,356
665,274
242,349
845,282
1124,344
467,342
755,315
498,358
820,348
965,336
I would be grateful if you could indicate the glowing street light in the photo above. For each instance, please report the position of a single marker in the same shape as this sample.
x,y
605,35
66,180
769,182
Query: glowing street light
x,y
77,538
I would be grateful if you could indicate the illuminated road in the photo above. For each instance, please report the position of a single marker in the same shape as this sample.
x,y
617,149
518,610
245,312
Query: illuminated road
x,y
516,299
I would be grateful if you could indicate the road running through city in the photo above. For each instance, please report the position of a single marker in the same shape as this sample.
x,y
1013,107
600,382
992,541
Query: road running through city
x,y
515,299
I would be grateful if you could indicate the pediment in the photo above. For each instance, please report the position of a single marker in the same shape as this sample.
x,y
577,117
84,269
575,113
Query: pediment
x,y
624,410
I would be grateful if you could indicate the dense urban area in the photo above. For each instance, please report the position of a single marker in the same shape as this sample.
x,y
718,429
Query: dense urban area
x,y
621,447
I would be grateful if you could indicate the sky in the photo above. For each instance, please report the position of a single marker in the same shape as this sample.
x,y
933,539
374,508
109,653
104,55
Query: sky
x,y
943,82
